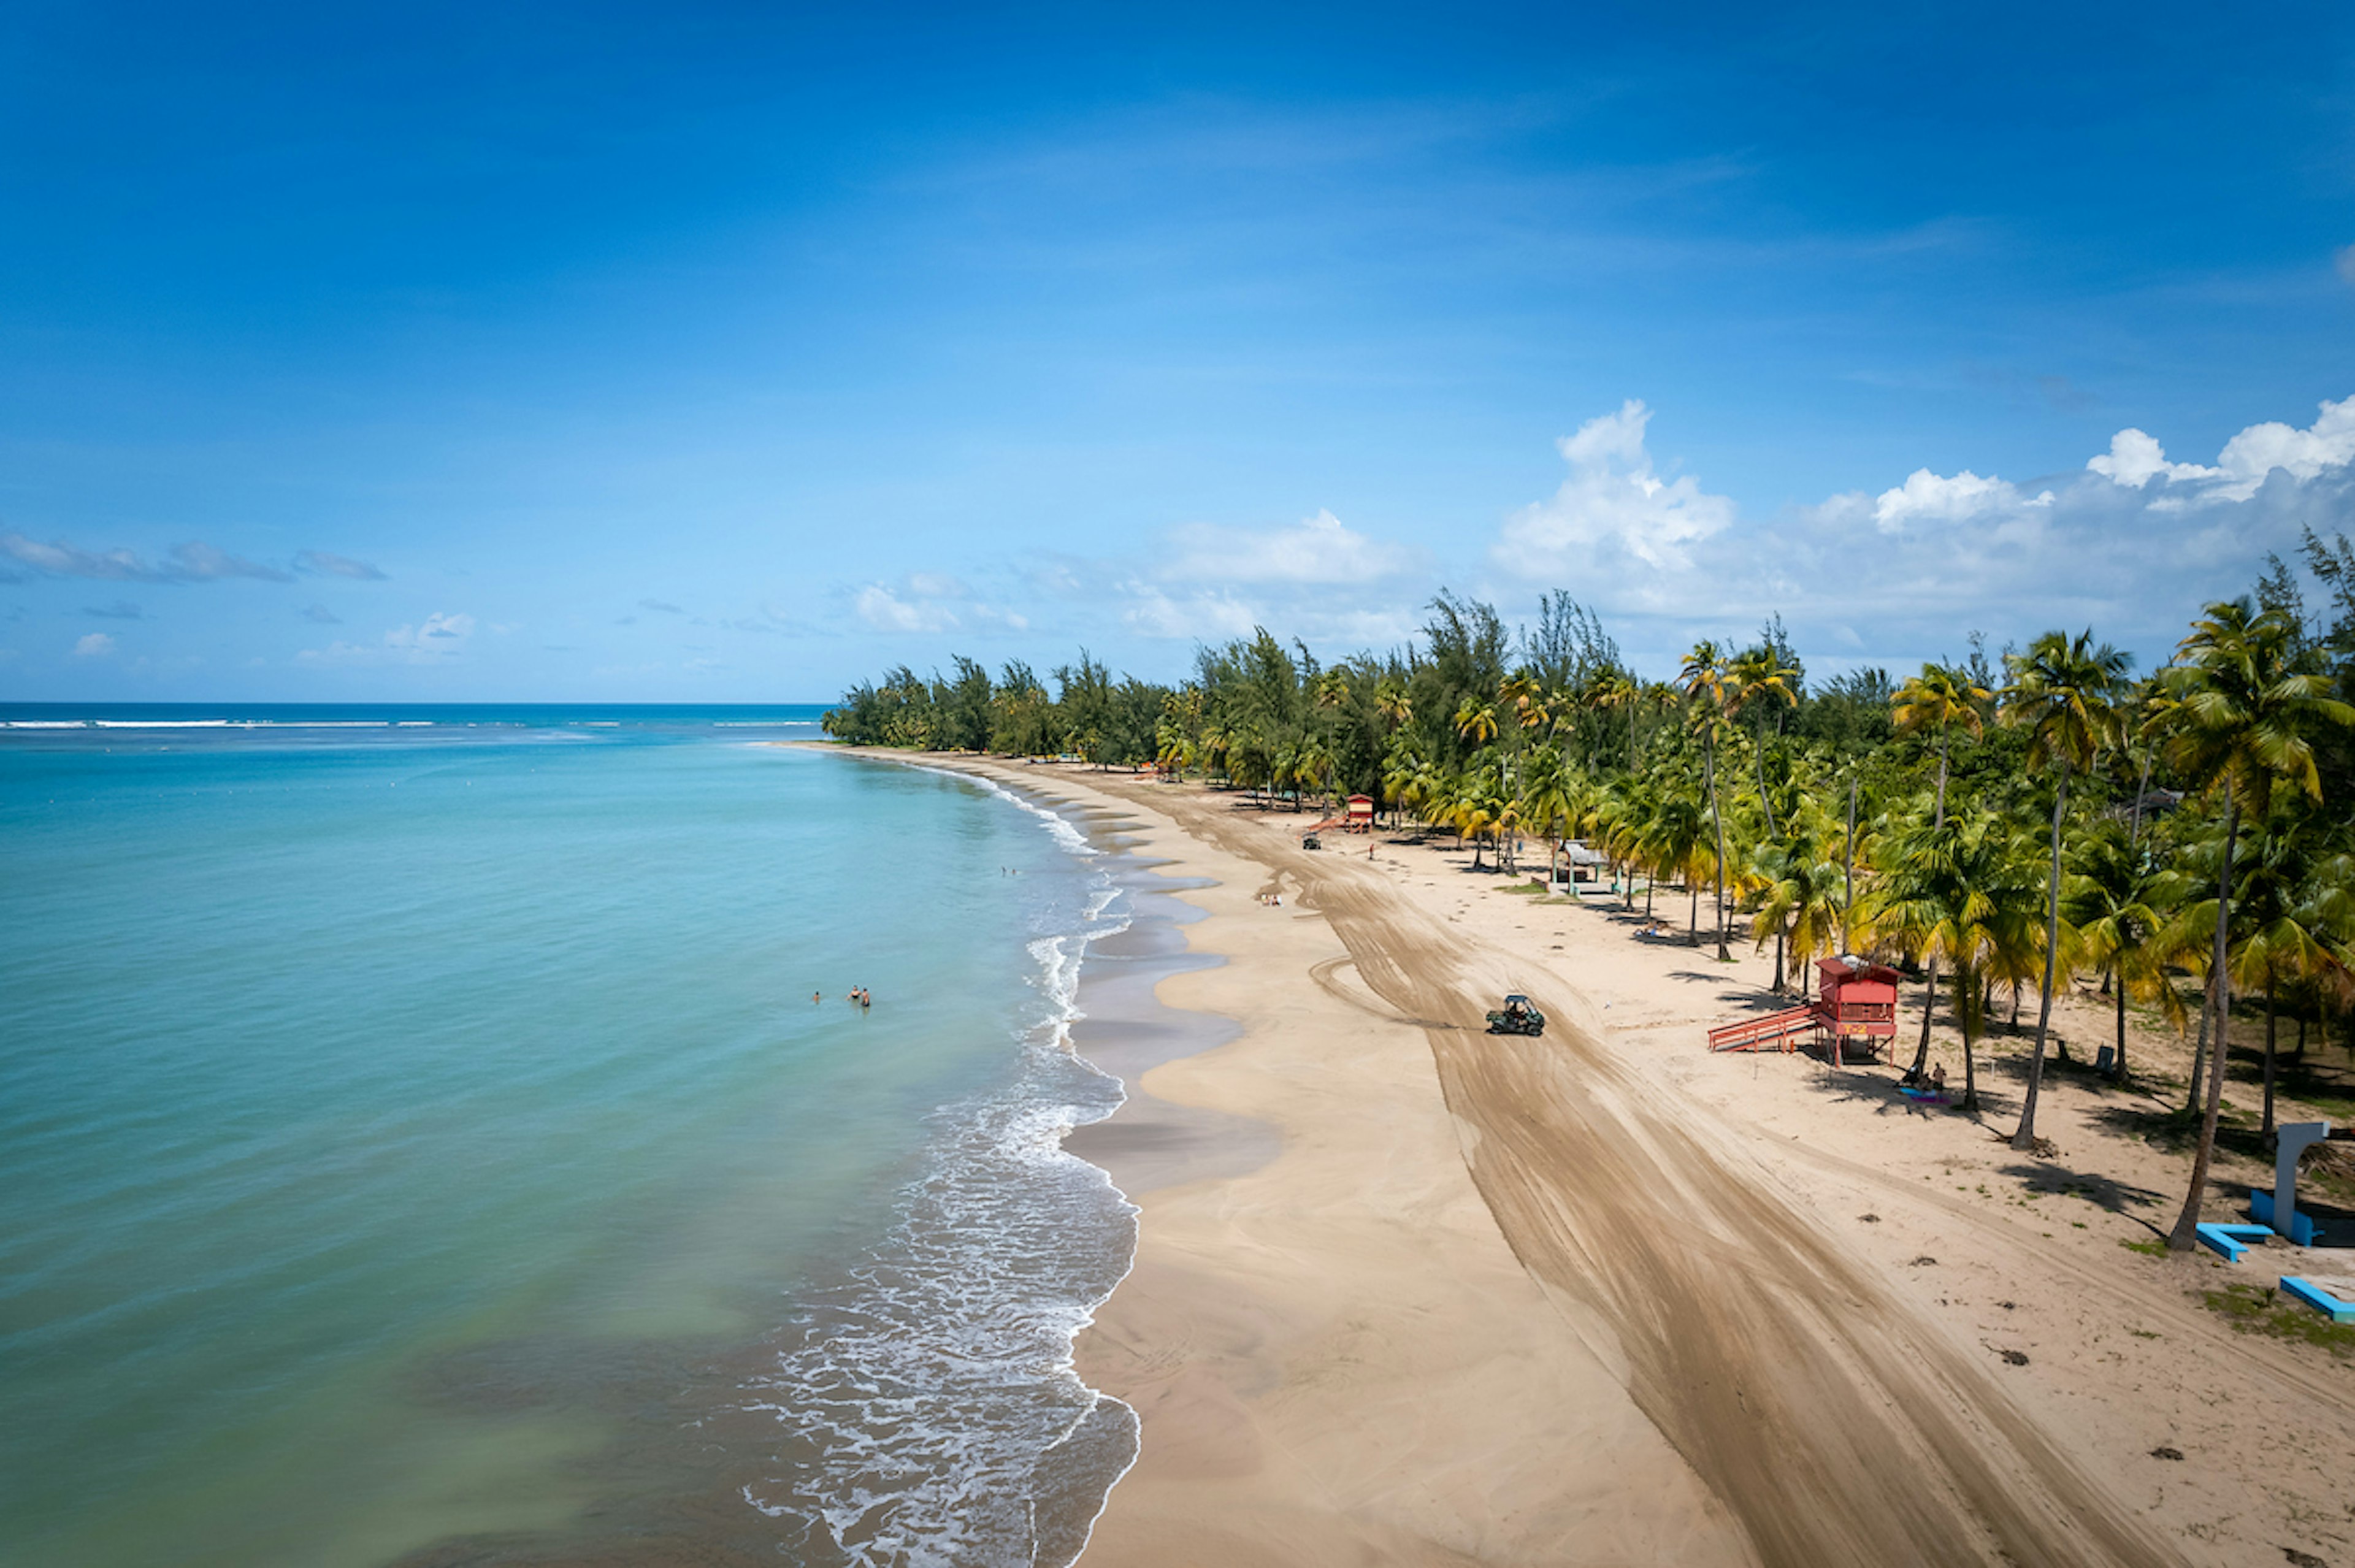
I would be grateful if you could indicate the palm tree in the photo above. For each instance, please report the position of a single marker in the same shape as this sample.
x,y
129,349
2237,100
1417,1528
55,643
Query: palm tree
x,y
1475,721
1547,792
1675,843
2061,693
2236,709
1615,692
1955,890
2283,938
1802,901
2118,900
1757,681
1704,682
1941,699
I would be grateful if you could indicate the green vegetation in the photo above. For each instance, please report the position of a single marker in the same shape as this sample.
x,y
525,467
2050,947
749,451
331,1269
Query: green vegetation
x,y
2000,825
2256,1310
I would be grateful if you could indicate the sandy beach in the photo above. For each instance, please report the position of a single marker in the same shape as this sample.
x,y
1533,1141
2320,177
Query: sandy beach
x,y
1408,1291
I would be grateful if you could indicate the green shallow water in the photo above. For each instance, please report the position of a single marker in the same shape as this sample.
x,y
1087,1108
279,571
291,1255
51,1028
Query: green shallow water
x,y
404,1142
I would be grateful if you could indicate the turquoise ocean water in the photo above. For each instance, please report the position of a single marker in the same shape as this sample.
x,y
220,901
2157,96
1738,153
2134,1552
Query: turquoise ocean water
x,y
419,1144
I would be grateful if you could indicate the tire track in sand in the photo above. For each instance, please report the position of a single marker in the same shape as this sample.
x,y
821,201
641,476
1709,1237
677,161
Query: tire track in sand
x,y
1837,1426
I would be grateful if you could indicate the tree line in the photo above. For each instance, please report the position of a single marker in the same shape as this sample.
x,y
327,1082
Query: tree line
x,y
1998,824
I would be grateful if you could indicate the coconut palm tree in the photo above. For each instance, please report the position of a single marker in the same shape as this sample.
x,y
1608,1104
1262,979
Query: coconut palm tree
x,y
1475,721
1703,679
2119,899
1956,890
2282,938
1800,899
1549,790
2062,693
1758,682
1674,842
2237,710
1941,700
1619,692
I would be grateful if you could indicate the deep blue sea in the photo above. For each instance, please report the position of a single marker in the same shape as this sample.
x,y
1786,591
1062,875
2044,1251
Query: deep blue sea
x,y
442,1134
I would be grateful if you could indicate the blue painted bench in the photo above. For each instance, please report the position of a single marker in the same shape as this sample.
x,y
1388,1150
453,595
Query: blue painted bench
x,y
2322,1301
2227,1239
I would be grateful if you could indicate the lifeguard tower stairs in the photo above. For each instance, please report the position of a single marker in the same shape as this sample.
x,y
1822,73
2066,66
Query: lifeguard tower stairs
x,y
1854,1009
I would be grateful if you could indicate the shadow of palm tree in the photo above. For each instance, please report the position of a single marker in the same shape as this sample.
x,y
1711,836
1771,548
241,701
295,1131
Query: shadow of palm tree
x,y
2051,1179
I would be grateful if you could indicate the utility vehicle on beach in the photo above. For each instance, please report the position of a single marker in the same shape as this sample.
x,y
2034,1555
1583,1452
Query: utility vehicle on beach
x,y
1517,1016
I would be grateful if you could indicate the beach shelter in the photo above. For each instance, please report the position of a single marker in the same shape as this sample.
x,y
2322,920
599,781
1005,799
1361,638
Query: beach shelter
x,y
1361,814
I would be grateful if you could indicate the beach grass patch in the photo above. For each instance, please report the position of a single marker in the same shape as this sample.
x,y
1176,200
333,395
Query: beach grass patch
x,y
2148,1246
2257,1309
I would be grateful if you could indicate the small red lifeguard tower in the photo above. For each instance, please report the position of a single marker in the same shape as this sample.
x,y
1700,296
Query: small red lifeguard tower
x,y
1361,814
1856,1003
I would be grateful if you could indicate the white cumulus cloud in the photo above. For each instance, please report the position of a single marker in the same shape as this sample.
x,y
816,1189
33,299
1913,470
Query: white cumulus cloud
x,y
2132,542
1615,510
95,645
1927,498
2248,460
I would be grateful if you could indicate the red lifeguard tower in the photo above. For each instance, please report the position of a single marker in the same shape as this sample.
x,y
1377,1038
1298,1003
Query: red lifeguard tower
x,y
1856,1003
1361,814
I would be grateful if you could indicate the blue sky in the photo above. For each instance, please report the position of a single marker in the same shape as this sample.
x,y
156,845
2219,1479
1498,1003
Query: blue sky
x,y
730,353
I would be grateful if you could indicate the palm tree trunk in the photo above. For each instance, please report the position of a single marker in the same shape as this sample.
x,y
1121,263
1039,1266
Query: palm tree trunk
x,y
1708,767
1929,1006
2186,1235
1847,899
2119,1067
2025,1138
1692,914
1970,1065
2134,839
1765,806
2265,1129
2199,1047
1779,980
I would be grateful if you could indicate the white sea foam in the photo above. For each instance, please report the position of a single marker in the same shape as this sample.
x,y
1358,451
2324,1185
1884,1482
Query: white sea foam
x,y
931,1401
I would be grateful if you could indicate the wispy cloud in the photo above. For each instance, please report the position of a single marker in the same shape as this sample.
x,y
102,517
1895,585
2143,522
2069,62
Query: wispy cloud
x,y
925,602
319,563
659,607
439,639
194,561
886,611
321,614
121,610
94,646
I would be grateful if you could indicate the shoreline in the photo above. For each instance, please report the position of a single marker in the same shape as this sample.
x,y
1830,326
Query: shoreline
x,y
1418,1252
